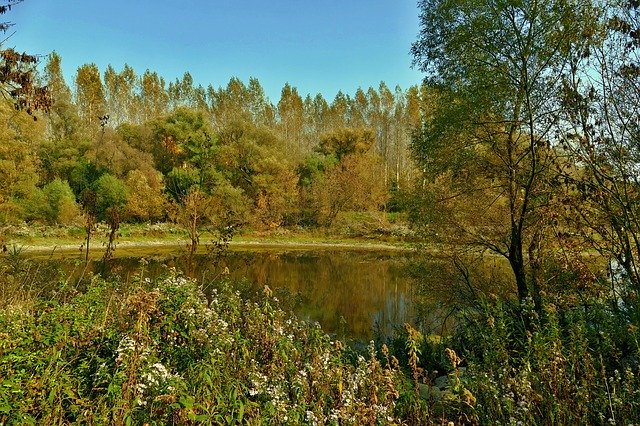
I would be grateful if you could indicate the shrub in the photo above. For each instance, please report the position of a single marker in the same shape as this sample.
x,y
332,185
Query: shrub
x,y
161,352
111,193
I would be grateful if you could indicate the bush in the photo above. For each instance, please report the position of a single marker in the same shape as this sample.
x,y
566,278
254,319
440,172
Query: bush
x,y
160,352
61,201
111,193
521,366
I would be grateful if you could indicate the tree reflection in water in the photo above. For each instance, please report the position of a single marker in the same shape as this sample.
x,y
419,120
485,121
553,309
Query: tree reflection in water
x,y
352,294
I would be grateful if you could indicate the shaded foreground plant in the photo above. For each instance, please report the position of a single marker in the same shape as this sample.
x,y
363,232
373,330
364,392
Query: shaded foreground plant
x,y
567,365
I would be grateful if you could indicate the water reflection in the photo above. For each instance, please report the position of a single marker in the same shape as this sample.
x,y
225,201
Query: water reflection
x,y
347,292
353,294
444,286
350,293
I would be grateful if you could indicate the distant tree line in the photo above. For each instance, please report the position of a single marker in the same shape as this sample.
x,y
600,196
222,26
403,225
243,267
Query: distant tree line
x,y
120,146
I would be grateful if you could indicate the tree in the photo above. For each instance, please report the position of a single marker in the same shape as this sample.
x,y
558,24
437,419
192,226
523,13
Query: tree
x,y
345,141
359,109
497,67
384,125
111,196
175,133
338,113
182,93
347,178
90,96
249,160
17,74
119,94
62,117
600,134
153,98
19,163
353,184
291,114
230,104
315,123
257,104
54,203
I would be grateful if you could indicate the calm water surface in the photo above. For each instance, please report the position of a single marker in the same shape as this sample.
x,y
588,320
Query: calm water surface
x,y
351,293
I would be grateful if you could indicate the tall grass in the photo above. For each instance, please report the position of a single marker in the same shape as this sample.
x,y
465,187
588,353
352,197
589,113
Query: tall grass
x,y
575,365
160,352
143,351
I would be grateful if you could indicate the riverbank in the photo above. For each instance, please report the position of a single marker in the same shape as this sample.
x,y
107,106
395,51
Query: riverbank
x,y
133,239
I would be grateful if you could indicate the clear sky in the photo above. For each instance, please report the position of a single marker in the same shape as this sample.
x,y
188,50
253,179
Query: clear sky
x,y
318,46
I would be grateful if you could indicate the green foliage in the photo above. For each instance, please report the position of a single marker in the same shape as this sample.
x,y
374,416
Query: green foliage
x,y
61,201
146,199
83,175
161,352
565,365
183,135
343,142
111,193
180,181
54,203
314,168
90,97
229,206
60,157
119,122
571,367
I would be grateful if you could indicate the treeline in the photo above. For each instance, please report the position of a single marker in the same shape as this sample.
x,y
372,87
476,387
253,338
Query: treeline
x,y
121,146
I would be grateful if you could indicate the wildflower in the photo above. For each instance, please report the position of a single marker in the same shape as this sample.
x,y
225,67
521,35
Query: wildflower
x,y
125,346
311,418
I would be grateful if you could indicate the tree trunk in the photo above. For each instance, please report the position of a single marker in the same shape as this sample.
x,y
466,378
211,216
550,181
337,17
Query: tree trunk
x,y
516,260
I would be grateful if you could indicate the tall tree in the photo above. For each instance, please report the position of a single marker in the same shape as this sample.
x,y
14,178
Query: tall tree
x,y
498,66
119,94
153,97
359,107
352,182
229,104
62,118
181,92
601,134
338,115
384,126
315,113
291,114
19,163
257,104
90,95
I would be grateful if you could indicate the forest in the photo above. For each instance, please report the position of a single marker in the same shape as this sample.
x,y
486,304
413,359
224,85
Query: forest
x,y
130,148
521,144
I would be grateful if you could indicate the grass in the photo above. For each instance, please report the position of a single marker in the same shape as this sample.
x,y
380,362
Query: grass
x,y
161,353
143,351
47,240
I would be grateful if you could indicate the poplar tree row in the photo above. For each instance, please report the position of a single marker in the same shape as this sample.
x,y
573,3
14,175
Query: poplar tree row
x,y
122,146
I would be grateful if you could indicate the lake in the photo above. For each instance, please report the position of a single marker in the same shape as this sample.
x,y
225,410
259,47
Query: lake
x,y
350,292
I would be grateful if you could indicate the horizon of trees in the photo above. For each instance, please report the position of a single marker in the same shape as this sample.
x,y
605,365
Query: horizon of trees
x,y
121,146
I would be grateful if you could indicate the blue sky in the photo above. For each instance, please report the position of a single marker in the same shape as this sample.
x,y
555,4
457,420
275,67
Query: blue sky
x,y
318,46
